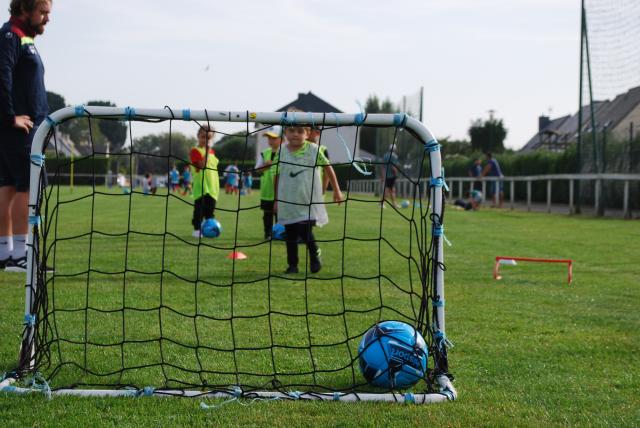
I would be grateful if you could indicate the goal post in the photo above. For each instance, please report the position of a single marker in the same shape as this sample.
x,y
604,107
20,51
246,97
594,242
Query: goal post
x,y
421,304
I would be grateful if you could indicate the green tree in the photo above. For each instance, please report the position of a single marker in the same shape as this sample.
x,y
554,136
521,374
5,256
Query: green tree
x,y
372,105
376,140
488,135
236,147
55,101
388,107
115,131
455,147
157,153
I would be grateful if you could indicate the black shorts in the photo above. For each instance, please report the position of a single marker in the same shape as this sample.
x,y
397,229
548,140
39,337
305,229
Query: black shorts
x,y
390,182
266,205
15,169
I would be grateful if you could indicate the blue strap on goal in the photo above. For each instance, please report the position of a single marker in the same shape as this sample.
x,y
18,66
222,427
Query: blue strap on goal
x,y
236,391
439,182
437,303
80,111
52,121
186,114
432,146
441,339
147,391
399,120
34,220
285,120
30,320
130,113
38,160
438,231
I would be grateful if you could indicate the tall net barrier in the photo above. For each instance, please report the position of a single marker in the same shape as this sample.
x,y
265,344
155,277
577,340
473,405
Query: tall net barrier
x,y
610,86
614,46
609,115
135,301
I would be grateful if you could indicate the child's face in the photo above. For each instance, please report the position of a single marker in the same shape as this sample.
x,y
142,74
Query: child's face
x,y
204,137
296,135
274,143
314,136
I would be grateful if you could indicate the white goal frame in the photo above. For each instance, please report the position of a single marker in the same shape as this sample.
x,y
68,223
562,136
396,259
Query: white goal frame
x,y
27,352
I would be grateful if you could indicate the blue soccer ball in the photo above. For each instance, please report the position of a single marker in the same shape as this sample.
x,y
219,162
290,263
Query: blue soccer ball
x,y
405,204
211,228
278,232
393,355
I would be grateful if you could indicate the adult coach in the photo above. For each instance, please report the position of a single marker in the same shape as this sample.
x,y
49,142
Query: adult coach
x,y
23,106
496,187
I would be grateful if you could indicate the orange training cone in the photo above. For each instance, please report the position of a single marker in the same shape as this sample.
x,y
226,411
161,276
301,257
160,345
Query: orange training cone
x,y
237,255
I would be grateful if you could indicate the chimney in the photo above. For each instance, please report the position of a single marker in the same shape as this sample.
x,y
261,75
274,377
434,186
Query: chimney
x,y
543,122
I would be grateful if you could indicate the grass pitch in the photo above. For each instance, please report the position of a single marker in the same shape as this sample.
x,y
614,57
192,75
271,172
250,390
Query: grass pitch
x,y
530,350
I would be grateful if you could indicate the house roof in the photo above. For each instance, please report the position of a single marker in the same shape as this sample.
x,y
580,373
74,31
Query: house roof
x,y
310,102
610,113
615,111
553,127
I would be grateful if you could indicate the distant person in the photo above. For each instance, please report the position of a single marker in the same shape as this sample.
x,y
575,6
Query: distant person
x,y
247,182
496,188
174,179
109,179
299,194
186,180
23,107
206,180
121,180
473,201
267,192
149,185
476,172
232,178
389,176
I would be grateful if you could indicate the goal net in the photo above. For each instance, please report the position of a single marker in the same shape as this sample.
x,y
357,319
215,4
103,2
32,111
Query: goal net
x,y
136,304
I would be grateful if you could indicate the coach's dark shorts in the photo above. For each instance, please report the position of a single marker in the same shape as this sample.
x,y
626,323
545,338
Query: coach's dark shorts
x,y
15,157
15,169
390,182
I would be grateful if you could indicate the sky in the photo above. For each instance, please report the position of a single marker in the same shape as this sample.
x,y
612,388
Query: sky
x,y
519,58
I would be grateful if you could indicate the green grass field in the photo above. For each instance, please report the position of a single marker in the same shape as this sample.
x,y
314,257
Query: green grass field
x,y
530,350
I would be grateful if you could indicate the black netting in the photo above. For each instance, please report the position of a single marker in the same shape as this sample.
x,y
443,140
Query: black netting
x,y
135,300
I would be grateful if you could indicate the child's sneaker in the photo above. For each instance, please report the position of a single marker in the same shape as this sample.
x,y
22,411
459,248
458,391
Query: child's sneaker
x,y
291,269
17,265
315,266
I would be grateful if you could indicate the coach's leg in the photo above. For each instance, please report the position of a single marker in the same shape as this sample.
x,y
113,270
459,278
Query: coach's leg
x,y
20,226
6,233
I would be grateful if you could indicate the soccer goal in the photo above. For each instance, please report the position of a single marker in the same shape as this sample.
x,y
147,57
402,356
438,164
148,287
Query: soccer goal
x,y
136,305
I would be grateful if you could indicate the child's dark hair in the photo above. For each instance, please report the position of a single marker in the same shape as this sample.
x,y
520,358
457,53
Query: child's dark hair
x,y
206,128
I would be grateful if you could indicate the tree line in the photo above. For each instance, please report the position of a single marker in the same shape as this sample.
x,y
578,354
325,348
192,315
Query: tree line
x,y
485,135
152,153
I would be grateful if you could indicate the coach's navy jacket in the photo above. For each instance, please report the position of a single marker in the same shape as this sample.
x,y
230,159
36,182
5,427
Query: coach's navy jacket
x,y
22,88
